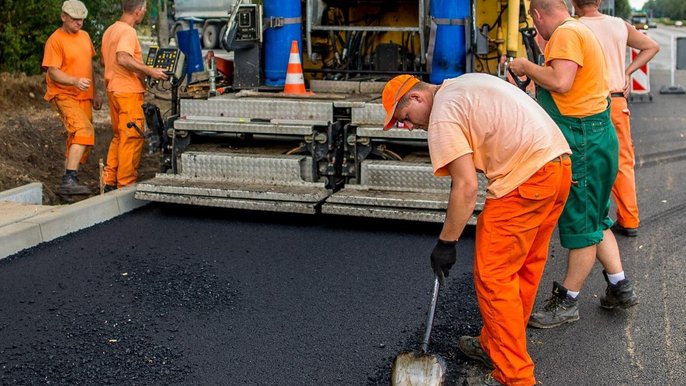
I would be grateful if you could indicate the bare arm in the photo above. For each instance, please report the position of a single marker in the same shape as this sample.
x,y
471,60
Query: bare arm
x,y
646,46
65,79
127,61
462,197
558,76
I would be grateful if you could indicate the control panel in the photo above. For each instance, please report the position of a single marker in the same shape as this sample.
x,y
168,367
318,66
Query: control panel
x,y
248,23
172,60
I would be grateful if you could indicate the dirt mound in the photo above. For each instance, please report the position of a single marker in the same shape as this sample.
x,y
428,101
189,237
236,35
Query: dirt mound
x,y
32,139
18,91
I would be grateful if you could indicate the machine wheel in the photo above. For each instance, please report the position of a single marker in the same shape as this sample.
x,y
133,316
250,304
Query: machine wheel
x,y
210,36
222,32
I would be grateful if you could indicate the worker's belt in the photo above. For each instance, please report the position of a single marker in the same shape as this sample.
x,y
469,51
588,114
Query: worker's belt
x,y
560,158
617,95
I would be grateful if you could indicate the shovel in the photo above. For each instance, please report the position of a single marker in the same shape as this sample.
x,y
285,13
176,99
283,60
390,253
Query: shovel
x,y
420,368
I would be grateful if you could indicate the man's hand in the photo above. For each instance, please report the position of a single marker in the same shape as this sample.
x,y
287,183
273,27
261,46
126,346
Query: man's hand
x,y
97,103
518,66
157,73
82,83
443,257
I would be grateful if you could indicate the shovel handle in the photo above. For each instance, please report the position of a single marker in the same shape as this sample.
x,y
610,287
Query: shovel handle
x,y
430,315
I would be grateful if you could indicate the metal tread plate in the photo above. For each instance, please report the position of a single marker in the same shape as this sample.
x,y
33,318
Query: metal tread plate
x,y
360,196
263,205
422,215
175,185
379,132
258,108
235,126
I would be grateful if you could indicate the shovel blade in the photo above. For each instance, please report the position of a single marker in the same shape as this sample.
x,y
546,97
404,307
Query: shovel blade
x,y
416,368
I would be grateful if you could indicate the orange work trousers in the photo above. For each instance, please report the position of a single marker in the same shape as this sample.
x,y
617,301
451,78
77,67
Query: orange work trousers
x,y
77,116
512,237
124,155
624,189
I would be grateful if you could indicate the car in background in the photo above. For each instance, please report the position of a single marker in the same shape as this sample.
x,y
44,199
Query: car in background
x,y
652,24
678,23
639,21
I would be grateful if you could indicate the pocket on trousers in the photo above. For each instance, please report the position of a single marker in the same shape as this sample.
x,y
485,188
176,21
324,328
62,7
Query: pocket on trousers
x,y
535,193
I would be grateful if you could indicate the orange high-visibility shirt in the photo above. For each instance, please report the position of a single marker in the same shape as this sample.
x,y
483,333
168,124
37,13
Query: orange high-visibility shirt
x,y
588,96
71,54
121,37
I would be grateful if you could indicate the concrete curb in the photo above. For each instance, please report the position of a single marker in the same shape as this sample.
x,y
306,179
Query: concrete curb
x,y
28,194
66,219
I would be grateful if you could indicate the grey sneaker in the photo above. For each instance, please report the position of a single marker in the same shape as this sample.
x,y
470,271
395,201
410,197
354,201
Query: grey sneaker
x,y
618,295
71,186
559,310
482,380
471,347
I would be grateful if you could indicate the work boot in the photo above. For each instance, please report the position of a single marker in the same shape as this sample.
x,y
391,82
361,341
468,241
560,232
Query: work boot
x,y
109,188
559,309
628,232
618,295
482,380
471,347
71,186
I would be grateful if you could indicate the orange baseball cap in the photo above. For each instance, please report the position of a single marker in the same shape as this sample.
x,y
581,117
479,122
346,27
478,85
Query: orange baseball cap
x,y
393,91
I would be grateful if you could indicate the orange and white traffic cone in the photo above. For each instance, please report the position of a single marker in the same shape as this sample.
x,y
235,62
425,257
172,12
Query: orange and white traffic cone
x,y
295,83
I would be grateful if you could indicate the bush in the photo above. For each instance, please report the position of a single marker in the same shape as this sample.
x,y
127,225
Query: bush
x,y
25,25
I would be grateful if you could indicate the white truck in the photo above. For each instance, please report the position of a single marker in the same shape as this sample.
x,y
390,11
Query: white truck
x,y
209,17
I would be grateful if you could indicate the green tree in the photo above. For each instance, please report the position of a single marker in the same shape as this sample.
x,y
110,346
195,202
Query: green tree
x,y
25,25
622,9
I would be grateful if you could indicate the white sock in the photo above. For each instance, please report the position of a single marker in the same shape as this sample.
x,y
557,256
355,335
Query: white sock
x,y
615,277
572,294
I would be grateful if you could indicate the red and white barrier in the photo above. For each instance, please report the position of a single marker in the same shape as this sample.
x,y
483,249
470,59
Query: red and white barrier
x,y
640,81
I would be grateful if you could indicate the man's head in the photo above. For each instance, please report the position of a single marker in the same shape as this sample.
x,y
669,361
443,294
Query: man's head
x,y
134,8
408,100
73,13
548,15
582,7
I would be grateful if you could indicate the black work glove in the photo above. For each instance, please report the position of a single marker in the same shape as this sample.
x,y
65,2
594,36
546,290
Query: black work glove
x,y
443,257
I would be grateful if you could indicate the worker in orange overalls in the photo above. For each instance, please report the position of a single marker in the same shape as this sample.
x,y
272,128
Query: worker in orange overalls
x,y
124,76
70,88
480,123
615,35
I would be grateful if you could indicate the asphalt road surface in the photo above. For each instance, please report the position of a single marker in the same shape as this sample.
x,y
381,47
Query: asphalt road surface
x,y
179,295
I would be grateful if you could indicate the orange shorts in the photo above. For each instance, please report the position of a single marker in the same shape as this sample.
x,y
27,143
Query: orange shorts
x,y
77,116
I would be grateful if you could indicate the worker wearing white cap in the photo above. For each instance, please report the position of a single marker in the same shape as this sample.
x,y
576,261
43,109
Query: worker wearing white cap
x,y
70,88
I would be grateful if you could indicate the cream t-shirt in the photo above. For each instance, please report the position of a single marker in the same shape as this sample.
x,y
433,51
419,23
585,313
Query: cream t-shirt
x,y
612,34
508,134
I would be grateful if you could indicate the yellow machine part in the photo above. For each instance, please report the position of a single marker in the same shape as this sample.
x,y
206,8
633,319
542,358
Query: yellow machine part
x,y
504,18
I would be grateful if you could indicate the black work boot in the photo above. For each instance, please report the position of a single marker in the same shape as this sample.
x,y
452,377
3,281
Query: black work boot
x,y
559,309
471,347
618,295
71,186
109,188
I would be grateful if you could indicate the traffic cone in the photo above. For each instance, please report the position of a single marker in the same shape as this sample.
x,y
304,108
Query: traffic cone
x,y
295,83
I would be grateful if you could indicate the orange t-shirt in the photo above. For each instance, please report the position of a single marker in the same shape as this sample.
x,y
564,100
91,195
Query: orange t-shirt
x,y
575,42
121,37
508,134
71,54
